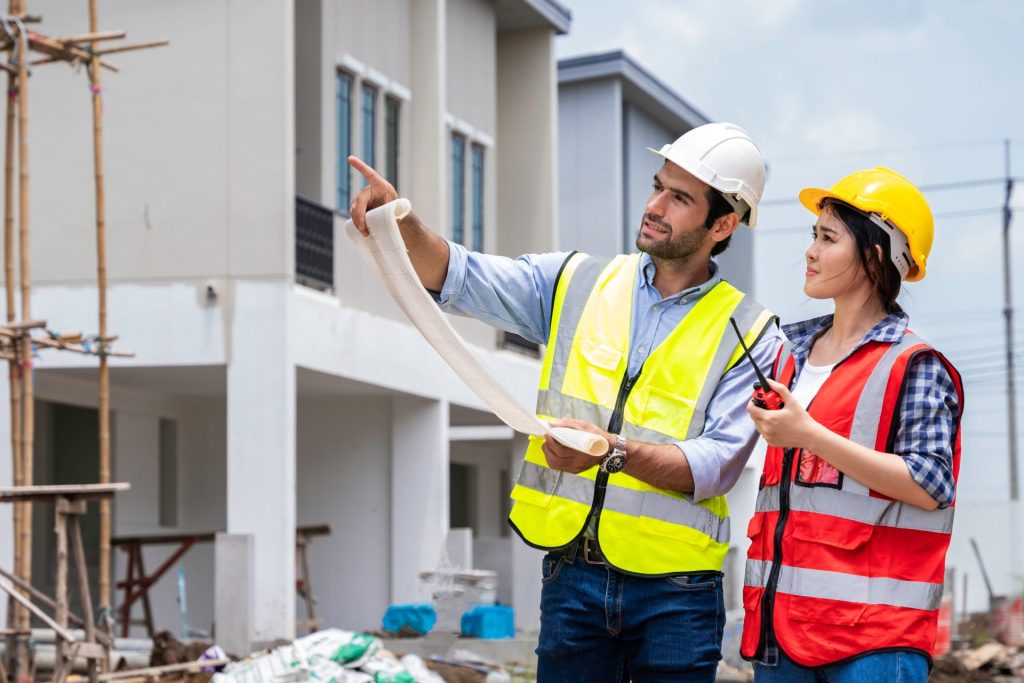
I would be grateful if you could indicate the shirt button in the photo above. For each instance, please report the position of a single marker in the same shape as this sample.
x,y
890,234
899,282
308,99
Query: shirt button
x,y
642,350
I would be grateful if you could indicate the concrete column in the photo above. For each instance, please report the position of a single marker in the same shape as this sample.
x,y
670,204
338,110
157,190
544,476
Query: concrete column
x,y
6,479
525,562
233,567
429,168
261,453
527,142
419,491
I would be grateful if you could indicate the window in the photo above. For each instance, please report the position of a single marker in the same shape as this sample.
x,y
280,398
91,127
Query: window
x,y
458,189
477,209
369,126
391,110
343,97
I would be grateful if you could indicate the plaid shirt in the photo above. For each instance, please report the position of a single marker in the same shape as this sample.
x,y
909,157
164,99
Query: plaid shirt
x,y
928,410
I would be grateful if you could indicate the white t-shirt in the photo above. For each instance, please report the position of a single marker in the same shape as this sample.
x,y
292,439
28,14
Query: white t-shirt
x,y
810,381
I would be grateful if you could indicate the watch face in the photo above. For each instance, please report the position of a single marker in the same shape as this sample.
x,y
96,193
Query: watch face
x,y
614,463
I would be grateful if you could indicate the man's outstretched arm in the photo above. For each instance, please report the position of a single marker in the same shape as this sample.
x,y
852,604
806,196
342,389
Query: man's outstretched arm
x,y
428,251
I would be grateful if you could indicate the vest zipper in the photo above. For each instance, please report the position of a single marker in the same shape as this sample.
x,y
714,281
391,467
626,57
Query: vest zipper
x,y
614,426
768,602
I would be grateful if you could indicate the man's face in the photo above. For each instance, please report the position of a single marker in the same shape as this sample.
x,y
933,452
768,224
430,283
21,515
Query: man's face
x,y
673,221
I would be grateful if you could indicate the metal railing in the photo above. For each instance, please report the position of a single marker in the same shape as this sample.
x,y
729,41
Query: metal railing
x,y
314,244
513,342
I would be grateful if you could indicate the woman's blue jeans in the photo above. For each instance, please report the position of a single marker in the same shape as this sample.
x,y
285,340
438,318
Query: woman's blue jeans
x,y
880,667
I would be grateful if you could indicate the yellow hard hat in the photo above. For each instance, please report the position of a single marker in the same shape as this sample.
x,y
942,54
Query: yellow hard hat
x,y
893,199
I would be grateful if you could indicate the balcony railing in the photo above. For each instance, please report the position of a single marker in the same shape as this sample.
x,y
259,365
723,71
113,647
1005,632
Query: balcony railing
x,y
314,244
513,342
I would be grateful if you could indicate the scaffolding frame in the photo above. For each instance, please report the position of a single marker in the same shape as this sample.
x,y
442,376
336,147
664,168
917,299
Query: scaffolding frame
x,y
26,49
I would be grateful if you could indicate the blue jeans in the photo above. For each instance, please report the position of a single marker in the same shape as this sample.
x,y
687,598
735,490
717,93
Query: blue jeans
x,y
599,625
880,667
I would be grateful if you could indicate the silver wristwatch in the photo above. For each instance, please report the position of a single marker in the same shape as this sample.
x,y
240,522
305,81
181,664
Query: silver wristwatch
x,y
615,461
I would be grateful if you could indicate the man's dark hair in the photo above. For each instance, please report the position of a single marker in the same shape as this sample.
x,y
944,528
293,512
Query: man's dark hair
x,y
866,237
717,207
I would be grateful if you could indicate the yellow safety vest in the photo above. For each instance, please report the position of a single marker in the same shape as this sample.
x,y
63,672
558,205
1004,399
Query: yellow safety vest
x,y
641,529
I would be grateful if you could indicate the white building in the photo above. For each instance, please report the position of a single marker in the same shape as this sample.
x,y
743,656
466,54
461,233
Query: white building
x,y
256,403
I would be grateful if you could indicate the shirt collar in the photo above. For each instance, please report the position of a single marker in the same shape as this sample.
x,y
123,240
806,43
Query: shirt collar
x,y
802,334
647,271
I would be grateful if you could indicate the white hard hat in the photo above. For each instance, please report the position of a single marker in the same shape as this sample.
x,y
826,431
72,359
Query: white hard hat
x,y
723,156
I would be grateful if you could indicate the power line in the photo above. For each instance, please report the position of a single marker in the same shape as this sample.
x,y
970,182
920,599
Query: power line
x,y
902,148
948,215
934,187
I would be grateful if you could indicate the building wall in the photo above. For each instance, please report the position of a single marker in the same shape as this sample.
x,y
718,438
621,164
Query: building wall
x,y
590,167
198,144
344,455
640,131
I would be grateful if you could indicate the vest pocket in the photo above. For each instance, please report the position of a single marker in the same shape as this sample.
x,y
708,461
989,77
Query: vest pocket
x,y
596,379
665,412
838,534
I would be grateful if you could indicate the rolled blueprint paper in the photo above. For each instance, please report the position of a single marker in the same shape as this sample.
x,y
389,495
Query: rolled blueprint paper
x,y
385,251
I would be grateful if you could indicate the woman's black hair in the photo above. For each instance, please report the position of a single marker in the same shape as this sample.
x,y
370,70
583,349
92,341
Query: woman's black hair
x,y
867,237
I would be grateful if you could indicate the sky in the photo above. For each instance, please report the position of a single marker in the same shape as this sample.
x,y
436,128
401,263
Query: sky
x,y
929,88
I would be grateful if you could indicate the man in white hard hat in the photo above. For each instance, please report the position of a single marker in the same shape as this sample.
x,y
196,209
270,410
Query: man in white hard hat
x,y
640,350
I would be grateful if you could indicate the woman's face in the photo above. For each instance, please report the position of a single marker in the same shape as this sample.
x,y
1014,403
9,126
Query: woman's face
x,y
833,267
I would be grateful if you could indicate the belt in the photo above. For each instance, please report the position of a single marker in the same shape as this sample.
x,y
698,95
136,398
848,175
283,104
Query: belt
x,y
588,550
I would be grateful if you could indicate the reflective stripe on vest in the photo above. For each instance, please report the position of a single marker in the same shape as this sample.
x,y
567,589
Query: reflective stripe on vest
x,y
627,501
646,530
865,590
857,508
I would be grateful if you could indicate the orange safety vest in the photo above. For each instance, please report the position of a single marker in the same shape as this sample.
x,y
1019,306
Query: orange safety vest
x,y
835,569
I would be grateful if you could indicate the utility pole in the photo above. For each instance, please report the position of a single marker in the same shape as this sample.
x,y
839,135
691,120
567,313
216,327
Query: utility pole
x,y
1011,389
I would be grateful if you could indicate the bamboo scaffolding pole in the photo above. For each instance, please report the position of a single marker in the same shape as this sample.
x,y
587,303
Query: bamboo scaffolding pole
x,y
101,287
131,48
20,614
93,36
24,272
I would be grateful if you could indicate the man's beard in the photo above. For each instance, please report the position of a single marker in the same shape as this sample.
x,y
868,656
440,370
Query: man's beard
x,y
680,246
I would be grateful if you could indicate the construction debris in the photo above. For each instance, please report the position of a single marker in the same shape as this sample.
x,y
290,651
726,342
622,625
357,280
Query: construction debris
x,y
331,655
988,662
169,650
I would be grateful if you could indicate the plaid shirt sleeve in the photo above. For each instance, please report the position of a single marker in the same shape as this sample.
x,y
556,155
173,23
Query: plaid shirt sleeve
x,y
929,409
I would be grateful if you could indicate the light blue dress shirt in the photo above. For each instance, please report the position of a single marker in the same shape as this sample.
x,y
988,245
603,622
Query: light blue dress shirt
x,y
516,295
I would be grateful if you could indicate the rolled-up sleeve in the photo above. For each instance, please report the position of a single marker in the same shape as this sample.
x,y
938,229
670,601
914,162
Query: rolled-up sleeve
x,y
512,294
717,457
929,414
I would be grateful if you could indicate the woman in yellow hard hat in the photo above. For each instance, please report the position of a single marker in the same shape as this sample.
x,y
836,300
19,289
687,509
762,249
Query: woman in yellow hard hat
x,y
848,542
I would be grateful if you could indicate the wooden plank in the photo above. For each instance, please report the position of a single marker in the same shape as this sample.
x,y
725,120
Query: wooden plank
x,y
41,597
314,530
52,491
160,539
43,616
155,671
